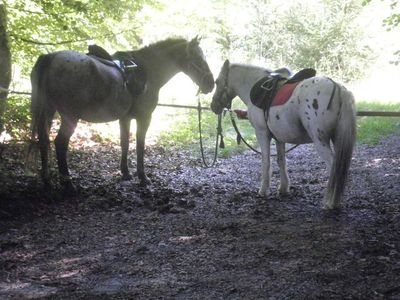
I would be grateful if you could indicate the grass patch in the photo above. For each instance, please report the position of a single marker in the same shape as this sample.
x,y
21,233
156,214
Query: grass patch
x,y
185,134
370,130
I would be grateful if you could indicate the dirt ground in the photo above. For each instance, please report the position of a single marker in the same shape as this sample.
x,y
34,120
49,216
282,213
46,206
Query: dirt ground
x,y
199,233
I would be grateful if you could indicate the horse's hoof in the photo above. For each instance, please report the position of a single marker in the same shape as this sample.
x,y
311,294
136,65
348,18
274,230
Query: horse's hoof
x,y
144,181
331,207
284,192
328,206
126,177
263,193
46,185
68,189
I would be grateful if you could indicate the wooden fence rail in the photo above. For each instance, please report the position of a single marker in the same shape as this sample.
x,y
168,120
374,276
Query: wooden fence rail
x,y
378,113
363,113
359,113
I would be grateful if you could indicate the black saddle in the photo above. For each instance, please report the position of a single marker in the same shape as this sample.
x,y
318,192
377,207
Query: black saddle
x,y
97,51
263,91
134,76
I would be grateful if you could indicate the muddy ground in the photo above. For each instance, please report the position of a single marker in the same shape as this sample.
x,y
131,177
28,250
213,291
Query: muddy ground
x,y
200,233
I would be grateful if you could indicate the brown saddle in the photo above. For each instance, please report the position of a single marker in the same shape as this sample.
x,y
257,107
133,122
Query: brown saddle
x,y
263,91
134,76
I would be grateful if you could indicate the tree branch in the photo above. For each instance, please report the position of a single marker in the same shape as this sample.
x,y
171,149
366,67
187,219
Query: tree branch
x,y
35,42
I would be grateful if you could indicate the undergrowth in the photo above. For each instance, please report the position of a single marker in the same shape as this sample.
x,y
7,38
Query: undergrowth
x,y
370,130
184,131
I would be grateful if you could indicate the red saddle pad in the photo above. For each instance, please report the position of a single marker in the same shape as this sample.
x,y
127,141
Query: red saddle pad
x,y
284,93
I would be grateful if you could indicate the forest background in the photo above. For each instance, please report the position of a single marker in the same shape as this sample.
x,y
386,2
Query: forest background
x,y
355,42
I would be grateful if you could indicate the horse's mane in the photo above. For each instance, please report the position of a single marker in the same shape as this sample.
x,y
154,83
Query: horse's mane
x,y
249,67
164,44
157,47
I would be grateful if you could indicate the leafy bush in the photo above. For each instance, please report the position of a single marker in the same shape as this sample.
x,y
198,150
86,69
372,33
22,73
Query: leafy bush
x,y
17,117
324,35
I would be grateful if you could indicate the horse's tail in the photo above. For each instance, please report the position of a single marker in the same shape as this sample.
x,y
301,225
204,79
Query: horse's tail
x,y
39,117
344,141
38,98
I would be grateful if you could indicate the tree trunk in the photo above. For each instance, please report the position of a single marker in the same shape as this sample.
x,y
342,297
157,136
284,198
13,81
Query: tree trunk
x,y
5,64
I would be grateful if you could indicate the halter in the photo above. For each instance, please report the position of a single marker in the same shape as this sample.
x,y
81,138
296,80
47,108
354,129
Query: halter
x,y
225,91
192,65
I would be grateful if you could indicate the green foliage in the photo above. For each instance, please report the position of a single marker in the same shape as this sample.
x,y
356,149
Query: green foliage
x,y
370,130
393,19
17,117
391,22
299,34
38,27
322,35
185,134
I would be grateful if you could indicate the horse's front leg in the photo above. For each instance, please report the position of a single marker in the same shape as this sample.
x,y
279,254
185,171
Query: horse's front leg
x,y
264,141
285,182
124,127
142,126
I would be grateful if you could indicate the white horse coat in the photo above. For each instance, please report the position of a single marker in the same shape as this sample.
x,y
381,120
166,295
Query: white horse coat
x,y
319,111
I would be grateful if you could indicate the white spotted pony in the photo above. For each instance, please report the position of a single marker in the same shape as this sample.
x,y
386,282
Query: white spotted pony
x,y
319,111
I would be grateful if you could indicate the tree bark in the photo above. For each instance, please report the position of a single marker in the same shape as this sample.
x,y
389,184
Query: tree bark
x,y
5,64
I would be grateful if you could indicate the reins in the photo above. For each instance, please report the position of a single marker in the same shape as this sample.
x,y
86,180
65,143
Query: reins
x,y
240,138
217,140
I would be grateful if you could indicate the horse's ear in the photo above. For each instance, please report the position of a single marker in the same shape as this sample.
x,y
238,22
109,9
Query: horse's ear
x,y
195,41
226,64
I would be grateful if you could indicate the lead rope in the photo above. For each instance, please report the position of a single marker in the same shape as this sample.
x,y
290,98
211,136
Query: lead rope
x,y
217,140
240,138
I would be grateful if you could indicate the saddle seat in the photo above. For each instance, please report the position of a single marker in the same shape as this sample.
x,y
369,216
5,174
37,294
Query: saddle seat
x,y
276,88
134,76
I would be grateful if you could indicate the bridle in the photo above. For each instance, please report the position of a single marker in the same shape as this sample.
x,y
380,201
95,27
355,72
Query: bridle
x,y
192,65
225,93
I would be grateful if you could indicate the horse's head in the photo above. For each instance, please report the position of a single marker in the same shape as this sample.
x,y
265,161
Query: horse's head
x,y
196,67
223,94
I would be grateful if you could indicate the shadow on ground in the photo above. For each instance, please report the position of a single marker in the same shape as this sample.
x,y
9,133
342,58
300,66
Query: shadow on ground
x,y
200,233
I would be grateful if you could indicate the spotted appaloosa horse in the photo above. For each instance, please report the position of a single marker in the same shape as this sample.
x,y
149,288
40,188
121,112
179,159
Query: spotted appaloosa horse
x,y
81,87
319,111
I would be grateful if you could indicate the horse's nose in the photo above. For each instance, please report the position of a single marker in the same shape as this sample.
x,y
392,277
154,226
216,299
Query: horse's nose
x,y
215,107
208,84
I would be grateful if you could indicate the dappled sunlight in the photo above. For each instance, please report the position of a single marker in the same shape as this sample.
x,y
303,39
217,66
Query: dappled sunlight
x,y
26,290
187,238
154,222
64,269
378,162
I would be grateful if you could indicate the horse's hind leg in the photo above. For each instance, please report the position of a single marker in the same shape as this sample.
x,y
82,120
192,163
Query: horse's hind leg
x,y
325,152
44,145
43,129
67,128
264,141
285,182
